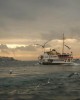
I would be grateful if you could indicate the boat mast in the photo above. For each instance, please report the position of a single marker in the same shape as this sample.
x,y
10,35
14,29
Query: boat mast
x,y
63,44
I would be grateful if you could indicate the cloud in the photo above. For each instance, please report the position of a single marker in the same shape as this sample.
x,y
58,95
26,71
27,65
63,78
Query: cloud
x,y
3,46
28,21
4,49
16,9
29,48
19,52
28,18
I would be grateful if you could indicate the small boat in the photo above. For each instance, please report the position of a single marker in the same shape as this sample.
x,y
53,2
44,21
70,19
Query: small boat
x,y
52,57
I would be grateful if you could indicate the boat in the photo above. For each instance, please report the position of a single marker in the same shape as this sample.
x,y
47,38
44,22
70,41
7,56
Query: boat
x,y
52,57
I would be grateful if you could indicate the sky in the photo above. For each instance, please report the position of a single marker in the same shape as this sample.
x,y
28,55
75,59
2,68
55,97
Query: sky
x,y
24,23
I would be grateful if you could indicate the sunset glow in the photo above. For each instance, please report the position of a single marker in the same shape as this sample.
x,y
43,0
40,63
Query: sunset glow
x,y
14,45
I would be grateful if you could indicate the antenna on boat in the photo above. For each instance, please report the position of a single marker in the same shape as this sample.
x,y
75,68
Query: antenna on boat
x,y
63,44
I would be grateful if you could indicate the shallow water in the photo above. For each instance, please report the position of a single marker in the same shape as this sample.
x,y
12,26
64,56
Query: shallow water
x,y
39,82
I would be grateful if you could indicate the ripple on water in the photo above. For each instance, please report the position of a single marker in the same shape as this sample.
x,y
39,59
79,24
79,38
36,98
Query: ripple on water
x,y
40,83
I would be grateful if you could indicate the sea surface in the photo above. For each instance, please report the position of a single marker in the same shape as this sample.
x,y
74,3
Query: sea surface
x,y
31,81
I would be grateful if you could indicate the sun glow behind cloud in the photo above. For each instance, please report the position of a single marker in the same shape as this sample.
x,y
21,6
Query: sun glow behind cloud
x,y
71,40
31,52
15,45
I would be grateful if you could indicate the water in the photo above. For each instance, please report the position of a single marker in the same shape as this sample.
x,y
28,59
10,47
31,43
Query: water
x,y
30,81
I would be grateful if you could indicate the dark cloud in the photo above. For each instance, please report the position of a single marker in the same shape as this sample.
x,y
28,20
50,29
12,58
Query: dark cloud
x,y
26,48
5,49
75,31
31,9
17,9
51,35
3,46
39,19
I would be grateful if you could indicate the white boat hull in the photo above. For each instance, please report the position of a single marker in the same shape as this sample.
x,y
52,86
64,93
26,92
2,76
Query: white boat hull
x,y
56,63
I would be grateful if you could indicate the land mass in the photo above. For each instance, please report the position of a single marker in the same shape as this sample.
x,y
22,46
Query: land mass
x,y
10,61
